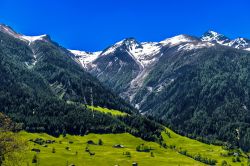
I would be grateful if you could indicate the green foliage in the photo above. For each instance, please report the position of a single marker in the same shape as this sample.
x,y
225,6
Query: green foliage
x,y
224,163
10,142
34,159
100,142
53,150
128,154
143,148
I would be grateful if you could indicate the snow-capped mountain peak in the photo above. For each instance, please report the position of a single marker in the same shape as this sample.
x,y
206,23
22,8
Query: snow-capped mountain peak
x,y
142,53
128,43
212,36
240,43
131,43
147,53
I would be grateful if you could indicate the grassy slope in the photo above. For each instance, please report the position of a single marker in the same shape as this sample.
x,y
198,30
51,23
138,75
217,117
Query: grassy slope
x,y
106,111
105,154
195,147
102,109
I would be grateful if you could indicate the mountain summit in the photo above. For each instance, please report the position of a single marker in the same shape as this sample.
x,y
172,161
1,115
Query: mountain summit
x,y
212,36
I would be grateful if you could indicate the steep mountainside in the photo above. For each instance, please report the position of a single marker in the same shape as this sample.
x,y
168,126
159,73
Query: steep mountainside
x,y
44,90
198,86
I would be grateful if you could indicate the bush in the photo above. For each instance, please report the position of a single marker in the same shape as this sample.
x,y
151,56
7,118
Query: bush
x,y
90,142
128,154
238,159
223,163
143,148
100,142
34,160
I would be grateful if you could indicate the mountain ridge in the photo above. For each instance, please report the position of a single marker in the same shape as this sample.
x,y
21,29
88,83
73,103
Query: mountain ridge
x,y
139,50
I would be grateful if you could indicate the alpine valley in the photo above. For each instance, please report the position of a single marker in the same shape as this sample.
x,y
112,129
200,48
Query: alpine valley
x,y
198,86
182,101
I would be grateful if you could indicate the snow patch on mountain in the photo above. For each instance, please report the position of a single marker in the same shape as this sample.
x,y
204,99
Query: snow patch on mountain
x,y
176,40
31,39
212,36
84,58
240,43
193,46
145,54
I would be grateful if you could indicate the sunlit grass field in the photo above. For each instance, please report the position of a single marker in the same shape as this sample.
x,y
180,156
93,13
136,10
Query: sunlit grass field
x,y
105,154
106,111
195,147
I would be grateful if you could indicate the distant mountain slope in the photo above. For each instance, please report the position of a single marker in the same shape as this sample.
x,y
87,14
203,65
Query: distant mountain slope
x,y
198,86
40,81
239,43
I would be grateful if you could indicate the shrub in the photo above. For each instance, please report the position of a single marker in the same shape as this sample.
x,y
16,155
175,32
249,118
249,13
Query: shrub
x,y
100,142
90,142
143,148
34,160
128,154
223,163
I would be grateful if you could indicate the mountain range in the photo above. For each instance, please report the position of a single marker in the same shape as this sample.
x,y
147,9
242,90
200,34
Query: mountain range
x,y
125,65
198,86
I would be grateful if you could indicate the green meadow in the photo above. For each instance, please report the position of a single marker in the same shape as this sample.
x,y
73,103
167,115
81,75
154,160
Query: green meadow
x,y
105,154
108,111
194,147
70,150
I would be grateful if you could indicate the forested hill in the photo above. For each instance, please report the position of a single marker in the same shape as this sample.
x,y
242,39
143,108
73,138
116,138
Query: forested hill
x,y
38,81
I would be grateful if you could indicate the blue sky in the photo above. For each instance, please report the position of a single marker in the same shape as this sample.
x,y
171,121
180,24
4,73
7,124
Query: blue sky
x,y
93,25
